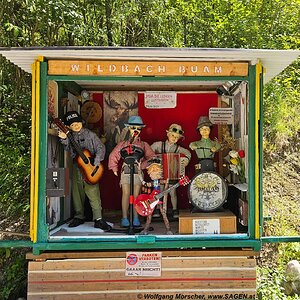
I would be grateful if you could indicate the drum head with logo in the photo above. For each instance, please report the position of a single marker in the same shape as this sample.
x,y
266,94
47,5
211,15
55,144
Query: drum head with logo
x,y
207,191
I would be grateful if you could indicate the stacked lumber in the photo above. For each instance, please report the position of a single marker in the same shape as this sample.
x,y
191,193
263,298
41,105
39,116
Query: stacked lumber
x,y
182,277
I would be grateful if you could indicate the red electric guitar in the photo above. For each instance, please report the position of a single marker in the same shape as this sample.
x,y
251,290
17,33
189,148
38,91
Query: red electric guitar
x,y
145,204
91,174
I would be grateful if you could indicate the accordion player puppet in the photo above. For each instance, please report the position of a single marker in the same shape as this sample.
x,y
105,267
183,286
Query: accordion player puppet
x,y
174,158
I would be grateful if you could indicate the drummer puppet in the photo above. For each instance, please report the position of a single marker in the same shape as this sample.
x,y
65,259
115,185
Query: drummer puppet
x,y
205,148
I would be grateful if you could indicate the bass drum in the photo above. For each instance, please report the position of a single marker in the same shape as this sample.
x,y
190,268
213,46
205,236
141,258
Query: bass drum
x,y
207,191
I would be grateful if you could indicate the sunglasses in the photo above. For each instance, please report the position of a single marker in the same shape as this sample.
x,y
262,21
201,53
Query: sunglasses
x,y
176,130
136,128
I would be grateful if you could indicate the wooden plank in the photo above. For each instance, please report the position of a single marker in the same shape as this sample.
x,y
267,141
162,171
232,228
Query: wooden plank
x,y
82,264
120,274
105,278
207,283
147,68
180,253
110,263
137,295
207,261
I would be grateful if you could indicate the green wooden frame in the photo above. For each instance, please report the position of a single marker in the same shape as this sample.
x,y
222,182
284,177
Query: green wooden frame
x,y
151,241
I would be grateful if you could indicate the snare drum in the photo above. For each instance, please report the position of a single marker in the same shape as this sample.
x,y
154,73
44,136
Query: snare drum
x,y
207,191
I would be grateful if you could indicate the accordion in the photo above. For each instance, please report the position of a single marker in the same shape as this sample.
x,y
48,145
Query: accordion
x,y
173,167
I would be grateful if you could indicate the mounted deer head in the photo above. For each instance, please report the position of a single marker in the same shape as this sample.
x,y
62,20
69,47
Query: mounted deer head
x,y
122,109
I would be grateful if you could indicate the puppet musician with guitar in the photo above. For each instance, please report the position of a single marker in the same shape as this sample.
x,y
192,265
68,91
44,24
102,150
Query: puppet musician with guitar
x,y
87,152
146,203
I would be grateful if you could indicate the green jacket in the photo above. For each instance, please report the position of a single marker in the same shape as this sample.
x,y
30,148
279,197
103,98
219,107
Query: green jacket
x,y
203,147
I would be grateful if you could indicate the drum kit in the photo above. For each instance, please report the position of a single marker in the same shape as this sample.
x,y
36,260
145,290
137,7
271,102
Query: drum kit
x,y
208,190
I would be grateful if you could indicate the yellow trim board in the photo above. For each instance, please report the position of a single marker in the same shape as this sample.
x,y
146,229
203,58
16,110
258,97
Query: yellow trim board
x,y
36,147
32,172
259,70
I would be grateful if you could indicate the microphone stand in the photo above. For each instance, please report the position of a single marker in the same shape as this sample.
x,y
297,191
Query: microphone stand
x,y
131,199
130,159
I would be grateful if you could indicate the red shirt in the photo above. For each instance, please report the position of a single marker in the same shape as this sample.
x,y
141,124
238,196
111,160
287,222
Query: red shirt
x,y
115,155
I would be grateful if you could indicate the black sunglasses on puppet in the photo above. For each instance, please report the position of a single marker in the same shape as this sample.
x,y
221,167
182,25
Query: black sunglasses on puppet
x,y
136,128
176,130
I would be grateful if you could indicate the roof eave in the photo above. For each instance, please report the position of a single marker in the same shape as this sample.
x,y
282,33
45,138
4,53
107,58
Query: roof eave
x,y
274,61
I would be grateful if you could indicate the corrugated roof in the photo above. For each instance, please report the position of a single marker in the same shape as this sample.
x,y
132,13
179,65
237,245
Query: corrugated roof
x,y
274,61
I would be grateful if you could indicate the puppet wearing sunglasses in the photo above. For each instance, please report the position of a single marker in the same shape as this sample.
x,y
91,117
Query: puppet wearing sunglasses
x,y
142,152
174,133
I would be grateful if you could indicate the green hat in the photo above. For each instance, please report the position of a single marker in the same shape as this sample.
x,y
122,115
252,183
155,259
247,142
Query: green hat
x,y
204,121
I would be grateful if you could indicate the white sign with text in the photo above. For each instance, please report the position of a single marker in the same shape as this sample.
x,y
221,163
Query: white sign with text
x,y
160,99
219,115
143,264
206,226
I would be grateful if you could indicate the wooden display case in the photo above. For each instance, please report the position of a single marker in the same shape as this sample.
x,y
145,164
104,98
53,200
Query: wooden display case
x,y
207,223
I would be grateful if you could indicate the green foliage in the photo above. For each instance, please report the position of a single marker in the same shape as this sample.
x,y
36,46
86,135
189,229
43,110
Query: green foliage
x,y
14,140
281,202
160,23
271,280
269,284
14,275
282,110
288,252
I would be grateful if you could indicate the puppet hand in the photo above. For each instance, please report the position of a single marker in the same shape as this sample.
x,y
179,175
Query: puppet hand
x,y
185,161
197,167
116,173
213,149
62,135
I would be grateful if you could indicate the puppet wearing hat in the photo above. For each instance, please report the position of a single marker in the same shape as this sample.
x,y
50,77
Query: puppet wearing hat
x,y
86,140
205,148
174,133
141,152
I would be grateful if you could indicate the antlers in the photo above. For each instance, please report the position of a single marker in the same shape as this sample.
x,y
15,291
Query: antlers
x,y
114,104
130,106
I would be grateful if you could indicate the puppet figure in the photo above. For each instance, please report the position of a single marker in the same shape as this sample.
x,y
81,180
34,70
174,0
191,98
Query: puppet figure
x,y
154,170
205,148
170,146
134,153
78,139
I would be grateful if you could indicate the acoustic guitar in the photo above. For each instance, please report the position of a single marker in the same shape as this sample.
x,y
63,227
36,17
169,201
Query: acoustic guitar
x,y
145,204
84,159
